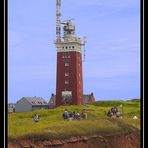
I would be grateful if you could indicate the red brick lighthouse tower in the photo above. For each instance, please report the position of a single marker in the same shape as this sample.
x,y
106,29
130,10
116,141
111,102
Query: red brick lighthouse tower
x,y
69,83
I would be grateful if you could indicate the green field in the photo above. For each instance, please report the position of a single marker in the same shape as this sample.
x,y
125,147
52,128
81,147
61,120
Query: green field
x,y
51,124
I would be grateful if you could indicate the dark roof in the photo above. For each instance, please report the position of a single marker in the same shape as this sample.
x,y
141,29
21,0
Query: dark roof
x,y
11,104
52,100
35,100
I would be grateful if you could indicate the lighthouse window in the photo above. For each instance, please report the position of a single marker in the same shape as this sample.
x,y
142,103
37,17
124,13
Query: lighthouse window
x,y
66,74
73,47
66,64
69,46
66,47
66,82
63,47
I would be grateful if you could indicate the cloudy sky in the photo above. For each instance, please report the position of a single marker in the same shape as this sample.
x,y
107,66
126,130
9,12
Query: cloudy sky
x,y
112,65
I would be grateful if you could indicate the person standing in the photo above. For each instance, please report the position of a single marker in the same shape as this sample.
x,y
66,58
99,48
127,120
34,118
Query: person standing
x,y
65,114
84,114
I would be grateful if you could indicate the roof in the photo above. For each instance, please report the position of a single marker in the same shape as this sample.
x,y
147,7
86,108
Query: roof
x,y
35,100
11,104
52,100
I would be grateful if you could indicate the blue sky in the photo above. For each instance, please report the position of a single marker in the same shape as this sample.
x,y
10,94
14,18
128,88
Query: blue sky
x,y
112,66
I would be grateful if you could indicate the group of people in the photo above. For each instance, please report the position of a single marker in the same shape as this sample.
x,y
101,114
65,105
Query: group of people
x,y
68,115
113,112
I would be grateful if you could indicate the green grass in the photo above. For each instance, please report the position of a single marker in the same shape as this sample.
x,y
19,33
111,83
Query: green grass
x,y
51,124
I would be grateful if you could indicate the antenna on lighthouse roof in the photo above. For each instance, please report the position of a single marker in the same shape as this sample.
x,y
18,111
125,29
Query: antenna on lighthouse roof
x,y
83,44
58,22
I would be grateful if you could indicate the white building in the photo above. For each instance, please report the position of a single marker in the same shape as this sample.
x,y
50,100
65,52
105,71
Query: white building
x,y
26,104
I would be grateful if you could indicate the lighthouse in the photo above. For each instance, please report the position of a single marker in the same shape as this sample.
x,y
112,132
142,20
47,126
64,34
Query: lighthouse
x,y
69,80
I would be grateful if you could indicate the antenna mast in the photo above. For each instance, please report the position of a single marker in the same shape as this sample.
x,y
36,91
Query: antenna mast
x,y
58,14
83,44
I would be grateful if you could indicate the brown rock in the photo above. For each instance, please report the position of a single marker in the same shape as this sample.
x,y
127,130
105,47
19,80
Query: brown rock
x,y
24,144
73,139
47,143
33,145
94,136
101,140
56,142
62,141
101,137
85,138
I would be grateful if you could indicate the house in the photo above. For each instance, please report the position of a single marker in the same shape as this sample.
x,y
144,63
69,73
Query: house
x,y
26,104
52,100
88,99
11,107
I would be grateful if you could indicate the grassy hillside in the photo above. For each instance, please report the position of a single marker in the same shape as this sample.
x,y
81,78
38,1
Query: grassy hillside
x,y
52,125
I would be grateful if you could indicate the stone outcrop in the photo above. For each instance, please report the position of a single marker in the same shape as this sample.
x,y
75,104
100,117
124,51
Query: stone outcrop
x,y
128,140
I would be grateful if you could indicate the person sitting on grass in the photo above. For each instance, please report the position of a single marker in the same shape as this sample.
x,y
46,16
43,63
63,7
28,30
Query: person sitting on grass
x,y
78,115
116,110
36,118
109,114
113,112
70,114
118,114
74,115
